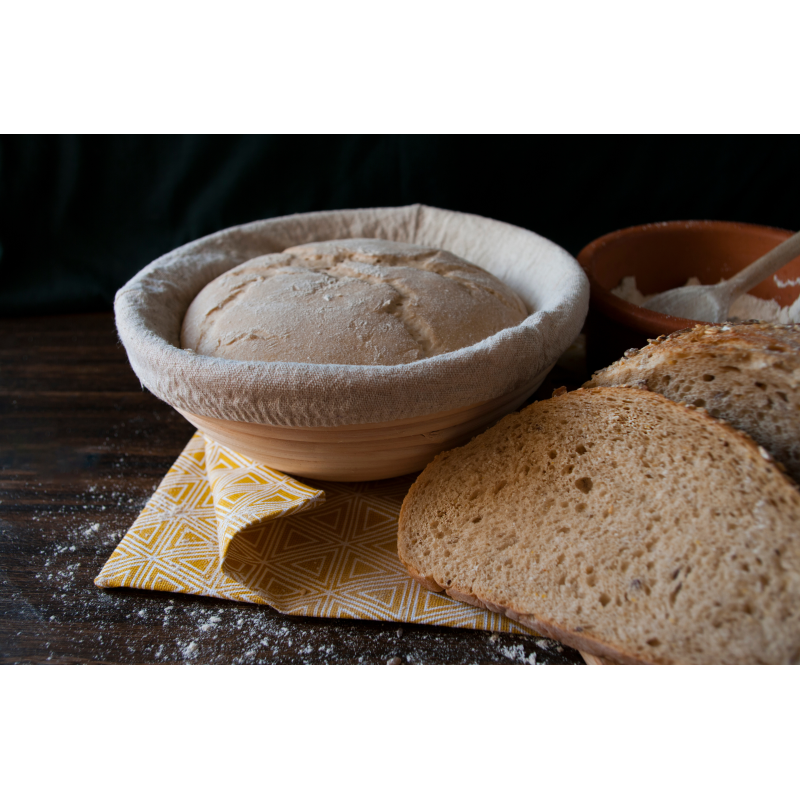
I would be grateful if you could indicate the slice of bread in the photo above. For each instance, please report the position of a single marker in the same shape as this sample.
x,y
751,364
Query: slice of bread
x,y
621,523
747,374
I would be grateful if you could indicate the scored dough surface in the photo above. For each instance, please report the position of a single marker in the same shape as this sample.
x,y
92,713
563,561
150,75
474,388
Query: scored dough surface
x,y
351,301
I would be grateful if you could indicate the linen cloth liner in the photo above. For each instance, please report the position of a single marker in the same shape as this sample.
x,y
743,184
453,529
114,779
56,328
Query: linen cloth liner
x,y
150,308
224,526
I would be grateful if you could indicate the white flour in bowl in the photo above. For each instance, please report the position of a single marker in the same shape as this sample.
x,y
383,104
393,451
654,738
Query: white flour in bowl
x,y
745,307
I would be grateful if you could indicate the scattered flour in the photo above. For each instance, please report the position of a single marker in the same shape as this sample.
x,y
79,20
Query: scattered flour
x,y
189,650
517,653
79,622
746,307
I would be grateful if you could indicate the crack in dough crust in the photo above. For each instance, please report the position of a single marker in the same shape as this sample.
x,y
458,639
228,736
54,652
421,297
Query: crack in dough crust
x,y
357,301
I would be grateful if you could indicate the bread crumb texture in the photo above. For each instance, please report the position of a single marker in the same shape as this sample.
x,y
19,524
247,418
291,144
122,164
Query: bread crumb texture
x,y
747,374
621,523
357,301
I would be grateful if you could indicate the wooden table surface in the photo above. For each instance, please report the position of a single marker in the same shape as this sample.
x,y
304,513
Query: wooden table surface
x,y
82,448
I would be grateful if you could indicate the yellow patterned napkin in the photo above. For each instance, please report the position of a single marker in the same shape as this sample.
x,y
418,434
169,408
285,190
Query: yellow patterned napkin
x,y
223,526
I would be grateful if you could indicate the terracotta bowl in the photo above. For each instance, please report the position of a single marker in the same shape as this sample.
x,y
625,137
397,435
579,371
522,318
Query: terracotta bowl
x,y
665,255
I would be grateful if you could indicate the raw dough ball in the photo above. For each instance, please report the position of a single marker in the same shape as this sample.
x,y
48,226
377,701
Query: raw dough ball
x,y
349,301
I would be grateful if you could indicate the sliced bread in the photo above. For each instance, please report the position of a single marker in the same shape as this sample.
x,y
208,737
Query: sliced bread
x,y
621,523
747,374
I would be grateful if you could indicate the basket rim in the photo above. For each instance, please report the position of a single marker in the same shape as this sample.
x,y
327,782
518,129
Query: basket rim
x,y
149,309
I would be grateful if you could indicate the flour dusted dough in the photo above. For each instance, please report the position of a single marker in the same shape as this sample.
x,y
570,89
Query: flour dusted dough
x,y
349,301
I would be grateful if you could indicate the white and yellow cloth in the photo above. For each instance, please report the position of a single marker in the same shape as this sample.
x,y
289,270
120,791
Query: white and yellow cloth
x,y
223,526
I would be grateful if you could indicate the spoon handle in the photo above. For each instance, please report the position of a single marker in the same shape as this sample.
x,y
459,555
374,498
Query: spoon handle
x,y
767,265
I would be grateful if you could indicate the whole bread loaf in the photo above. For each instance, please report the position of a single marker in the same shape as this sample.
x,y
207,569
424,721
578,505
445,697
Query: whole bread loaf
x,y
747,374
621,523
350,301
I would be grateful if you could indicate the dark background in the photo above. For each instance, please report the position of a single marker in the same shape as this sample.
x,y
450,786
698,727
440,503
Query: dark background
x,y
79,215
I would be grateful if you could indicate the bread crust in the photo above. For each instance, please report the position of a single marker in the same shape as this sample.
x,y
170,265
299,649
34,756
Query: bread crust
x,y
546,625
546,628
747,374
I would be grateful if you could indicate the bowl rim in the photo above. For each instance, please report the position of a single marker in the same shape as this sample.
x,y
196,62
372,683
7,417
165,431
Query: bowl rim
x,y
623,312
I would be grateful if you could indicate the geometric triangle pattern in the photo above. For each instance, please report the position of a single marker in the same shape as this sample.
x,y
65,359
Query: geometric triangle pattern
x,y
247,494
174,544
221,525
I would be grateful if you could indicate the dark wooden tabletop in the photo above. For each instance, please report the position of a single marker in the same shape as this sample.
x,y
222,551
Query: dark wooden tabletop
x,y
82,448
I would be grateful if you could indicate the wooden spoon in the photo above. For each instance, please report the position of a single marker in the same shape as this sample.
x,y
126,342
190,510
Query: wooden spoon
x,y
711,303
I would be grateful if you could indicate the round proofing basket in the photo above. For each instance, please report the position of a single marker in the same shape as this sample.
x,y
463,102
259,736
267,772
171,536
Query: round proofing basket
x,y
342,422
